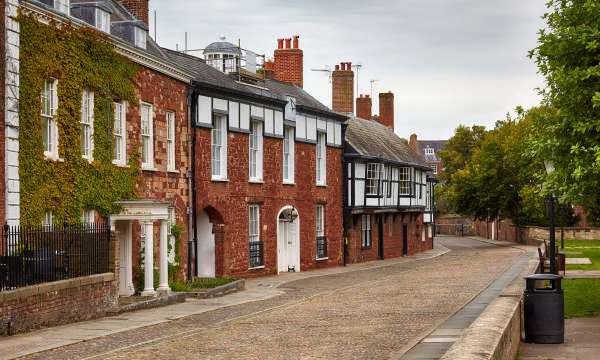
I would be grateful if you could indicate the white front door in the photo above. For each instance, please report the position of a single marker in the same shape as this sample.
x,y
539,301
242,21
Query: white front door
x,y
123,230
206,246
288,251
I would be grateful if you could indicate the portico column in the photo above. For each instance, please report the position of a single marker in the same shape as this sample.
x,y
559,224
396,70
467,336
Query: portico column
x,y
149,260
164,258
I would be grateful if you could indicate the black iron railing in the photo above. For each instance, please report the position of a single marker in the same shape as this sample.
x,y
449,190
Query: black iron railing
x,y
38,254
256,254
321,247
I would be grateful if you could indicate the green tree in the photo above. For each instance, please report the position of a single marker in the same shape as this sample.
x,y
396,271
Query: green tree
x,y
568,56
460,148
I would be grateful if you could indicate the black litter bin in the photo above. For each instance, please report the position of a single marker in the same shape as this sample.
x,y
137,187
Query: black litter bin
x,y
544,309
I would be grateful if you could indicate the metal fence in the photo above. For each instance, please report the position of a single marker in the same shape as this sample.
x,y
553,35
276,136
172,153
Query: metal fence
x,y
321,247
38,254
256,254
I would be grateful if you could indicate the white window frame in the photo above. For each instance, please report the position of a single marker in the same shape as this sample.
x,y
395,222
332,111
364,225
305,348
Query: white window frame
x,y
255,152
404,181
429,151
102,20
48,218
120,133
253,223
218,149
63,6
48,111
320,220
321,161
147,135
140,37
170,116
87,125
288,155
88,217
366,235
434,169
373,179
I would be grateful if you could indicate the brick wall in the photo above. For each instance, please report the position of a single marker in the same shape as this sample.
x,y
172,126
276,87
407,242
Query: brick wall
x,y
343,88
138,8
386,109
228,201
61,302
393,244
289,61
364,107
164,94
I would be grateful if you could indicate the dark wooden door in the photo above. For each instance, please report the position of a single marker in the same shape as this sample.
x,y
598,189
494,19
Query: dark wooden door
x,y
405,239
380,237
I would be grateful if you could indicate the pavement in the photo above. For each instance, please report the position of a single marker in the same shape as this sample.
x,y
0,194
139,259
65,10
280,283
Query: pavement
x,y
582,342
377,310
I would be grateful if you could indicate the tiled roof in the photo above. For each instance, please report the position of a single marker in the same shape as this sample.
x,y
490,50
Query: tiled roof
x,y
436,145
302,97
371,139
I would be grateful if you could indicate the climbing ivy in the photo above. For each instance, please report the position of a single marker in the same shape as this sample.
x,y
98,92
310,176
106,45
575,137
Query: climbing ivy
x,y
79,58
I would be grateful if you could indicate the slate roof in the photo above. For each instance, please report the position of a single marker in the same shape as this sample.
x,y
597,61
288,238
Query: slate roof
x,y
436,145
370,139
222,47
302,97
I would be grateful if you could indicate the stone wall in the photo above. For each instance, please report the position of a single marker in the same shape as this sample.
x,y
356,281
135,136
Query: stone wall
x,y
226,202
164,94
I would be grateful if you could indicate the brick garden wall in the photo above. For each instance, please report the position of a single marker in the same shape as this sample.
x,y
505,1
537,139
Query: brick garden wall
x,y
230,200
392,237
164,94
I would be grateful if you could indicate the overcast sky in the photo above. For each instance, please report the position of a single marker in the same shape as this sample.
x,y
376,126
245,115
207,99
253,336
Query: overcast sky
x,y
448,62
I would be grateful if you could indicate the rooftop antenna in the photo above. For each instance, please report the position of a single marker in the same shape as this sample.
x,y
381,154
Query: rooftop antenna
x,y
357,66
186,44
373,81
155,39
325,69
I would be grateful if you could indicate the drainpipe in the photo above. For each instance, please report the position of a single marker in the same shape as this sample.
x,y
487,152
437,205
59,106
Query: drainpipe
x,y
192,241
346,214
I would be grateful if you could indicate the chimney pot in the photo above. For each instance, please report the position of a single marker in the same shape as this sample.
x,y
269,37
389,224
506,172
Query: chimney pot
x,y
288,43
280,43
350,66
296,42
337,67
289,65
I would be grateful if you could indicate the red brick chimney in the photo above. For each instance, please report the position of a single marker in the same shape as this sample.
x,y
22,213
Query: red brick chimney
x,y
289,61
269,69
343,88
413,143
137,8
364,105
386,109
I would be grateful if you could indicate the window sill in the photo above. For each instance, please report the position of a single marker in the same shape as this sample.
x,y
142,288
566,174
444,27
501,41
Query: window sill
x,y
120,164
322,185
173,171
257,267
290,183
366,247
149,168
322,259
256,181
219,180
53,158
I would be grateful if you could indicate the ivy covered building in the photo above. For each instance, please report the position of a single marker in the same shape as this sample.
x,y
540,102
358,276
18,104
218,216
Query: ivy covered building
x,y
102,133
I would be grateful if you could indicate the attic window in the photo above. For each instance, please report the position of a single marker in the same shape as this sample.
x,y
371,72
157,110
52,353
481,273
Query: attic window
x,y
102,20
140,38
429,151
63,6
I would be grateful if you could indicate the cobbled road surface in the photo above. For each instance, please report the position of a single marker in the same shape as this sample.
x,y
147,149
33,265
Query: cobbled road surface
x,y
369,314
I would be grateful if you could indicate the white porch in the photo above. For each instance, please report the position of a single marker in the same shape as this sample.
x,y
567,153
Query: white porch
x,y
147,213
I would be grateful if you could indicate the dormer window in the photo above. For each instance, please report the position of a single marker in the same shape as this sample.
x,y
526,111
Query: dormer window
x,y
62,6
140,38
102,20
429,151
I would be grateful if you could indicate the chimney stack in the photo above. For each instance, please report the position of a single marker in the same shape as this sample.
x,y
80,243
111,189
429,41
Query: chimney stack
x,y
386,109
343,88
413,143
289,61
269,69
364,105
137,8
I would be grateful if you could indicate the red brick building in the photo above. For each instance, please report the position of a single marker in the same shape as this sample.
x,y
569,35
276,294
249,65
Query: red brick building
x,y
157,128
430,150
268,177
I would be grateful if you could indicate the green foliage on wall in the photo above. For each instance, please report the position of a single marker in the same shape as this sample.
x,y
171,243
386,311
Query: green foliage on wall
x,y
79,58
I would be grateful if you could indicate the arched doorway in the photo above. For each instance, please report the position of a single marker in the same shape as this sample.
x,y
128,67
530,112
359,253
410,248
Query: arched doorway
x,y
288,240
210,228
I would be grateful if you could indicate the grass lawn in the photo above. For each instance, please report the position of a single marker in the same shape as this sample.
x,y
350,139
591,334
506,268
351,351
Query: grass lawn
x,y
583,249
582,297
200,283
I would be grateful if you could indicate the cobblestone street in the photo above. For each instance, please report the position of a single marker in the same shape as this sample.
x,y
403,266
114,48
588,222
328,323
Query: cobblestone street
x,y
369,314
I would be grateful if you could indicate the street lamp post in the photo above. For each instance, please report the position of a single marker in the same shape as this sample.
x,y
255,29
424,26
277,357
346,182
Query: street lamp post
x,y
550,202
